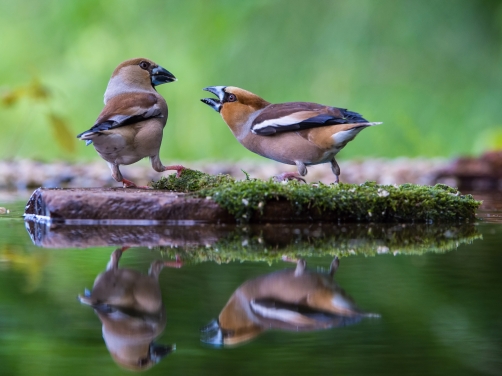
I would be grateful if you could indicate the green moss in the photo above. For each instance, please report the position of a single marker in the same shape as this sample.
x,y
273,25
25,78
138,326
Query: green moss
x,y
271,243
368,202
191,181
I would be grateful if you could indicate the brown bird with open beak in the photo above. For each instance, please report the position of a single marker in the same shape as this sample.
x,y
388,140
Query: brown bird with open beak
x,y
295,133
131,125
291,299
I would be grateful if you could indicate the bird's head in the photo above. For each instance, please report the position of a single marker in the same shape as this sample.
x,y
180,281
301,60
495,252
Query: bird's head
x,y
144,71
234,104
137,74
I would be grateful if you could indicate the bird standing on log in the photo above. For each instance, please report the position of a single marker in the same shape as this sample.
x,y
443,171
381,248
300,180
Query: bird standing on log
x,y
131,125
295,133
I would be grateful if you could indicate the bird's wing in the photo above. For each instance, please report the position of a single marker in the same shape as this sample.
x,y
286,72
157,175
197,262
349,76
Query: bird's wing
x,y
296,116
125,109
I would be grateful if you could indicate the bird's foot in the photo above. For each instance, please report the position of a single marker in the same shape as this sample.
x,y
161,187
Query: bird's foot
x,y
174,264
285,176
179,169
129,184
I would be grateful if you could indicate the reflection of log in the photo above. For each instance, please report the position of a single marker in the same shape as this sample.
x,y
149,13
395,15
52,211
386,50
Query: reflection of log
x,y
222,242
271,242
56,235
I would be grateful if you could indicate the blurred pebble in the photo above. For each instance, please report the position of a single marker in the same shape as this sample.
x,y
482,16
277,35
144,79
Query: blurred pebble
x,y
28,174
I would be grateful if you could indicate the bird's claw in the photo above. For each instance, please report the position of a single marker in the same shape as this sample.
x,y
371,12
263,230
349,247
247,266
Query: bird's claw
x,y
285,176
179,169
174,264
129,184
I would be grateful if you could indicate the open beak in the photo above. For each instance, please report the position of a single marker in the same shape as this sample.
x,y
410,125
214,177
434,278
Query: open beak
x,y
215,104
157,352
161,76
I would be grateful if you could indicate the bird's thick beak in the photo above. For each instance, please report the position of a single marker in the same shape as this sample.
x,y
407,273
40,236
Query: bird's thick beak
x,y
161,76
215,104
157,352
212,334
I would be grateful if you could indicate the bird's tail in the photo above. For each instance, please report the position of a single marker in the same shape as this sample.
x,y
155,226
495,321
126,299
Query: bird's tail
x,y
354,117
370,123
87,137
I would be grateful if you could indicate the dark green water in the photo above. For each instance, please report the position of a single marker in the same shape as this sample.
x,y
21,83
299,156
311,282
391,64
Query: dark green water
x,y
439,309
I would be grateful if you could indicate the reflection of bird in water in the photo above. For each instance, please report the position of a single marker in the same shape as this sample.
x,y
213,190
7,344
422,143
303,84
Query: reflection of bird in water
x,y
129,304
290,299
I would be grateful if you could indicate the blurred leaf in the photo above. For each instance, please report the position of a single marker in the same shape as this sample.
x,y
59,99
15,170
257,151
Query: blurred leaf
x,y
31,264
488,140
34,90
11,97
37,91
64,137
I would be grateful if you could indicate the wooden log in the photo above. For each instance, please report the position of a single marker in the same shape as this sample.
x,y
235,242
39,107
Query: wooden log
x,y
251,201
118,205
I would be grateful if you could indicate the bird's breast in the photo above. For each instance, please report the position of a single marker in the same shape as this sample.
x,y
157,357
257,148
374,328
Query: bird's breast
x,y
286,147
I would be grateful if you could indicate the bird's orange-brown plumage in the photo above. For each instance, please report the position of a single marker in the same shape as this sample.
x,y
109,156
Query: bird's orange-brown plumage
x,y
295,133
130,126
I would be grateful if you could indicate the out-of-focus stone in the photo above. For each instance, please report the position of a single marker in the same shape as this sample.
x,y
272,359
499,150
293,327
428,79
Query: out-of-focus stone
x,y
466,173
480,174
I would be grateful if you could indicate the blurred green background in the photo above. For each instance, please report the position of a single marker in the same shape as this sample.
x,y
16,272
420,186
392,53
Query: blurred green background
x,y
430,70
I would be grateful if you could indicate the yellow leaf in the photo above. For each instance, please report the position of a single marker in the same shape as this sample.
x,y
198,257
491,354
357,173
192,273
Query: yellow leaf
x,y
64,137
12,96
38,91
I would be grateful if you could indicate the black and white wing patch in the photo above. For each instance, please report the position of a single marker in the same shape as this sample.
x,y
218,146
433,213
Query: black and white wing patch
x,y
123,110
300,115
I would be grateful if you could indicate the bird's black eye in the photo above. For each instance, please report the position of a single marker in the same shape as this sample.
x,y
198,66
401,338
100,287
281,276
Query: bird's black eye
x,y
231,98
142,362
144,65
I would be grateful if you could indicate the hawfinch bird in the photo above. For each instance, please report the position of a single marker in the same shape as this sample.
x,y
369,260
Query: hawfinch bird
x,y
130,126
290,299
129,305
295,133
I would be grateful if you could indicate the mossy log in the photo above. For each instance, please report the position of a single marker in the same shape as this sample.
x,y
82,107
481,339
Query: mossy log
x,y
198,197
250,199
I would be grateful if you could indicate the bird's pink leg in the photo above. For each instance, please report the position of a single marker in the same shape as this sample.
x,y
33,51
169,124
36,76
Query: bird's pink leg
x,y
289,176
157,266
177,168
300,264
115,258
174,264
336,170
129,184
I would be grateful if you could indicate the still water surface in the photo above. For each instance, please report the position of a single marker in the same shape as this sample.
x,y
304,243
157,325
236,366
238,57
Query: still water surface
x,y
435,294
